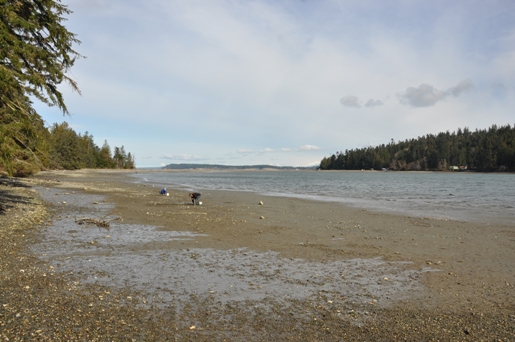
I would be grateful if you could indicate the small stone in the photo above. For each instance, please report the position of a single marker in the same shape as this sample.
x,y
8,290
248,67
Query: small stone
x,y
193,327
260,202
261,217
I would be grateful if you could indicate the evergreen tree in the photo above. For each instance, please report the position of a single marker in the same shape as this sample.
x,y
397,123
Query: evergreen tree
x,y
104,159
35,54
65,148
130,161
482,150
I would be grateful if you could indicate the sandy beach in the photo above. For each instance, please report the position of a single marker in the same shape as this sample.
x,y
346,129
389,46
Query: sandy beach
x,y
236,270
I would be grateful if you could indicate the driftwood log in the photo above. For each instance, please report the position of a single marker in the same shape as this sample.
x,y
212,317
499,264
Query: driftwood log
x,y
97,222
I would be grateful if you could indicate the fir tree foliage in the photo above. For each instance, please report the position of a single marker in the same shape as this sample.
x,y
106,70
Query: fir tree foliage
x,y
71,151
491,149
35,54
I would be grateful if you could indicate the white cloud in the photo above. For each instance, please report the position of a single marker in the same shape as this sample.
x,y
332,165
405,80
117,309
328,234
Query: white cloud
x,y
183,157
202,78
309,148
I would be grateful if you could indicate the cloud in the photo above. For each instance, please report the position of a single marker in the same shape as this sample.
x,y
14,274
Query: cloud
x,y
350,101
309,148
353,102
373,103
188,157
426,95
303,148
462,87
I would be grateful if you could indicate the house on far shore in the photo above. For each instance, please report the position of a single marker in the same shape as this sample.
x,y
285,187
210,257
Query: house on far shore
x,y
458,168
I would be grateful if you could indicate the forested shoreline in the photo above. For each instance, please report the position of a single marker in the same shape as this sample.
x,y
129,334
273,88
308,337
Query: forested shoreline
x,y
486,150
57,147
36,52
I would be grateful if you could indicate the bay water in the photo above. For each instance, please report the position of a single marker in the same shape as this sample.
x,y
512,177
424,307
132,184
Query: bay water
x,y
463,196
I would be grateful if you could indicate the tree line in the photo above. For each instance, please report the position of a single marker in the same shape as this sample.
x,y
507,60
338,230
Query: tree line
x,y
56,147
486,150
36,52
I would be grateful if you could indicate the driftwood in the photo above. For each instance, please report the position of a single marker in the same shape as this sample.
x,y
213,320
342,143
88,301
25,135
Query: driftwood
x,y
97,222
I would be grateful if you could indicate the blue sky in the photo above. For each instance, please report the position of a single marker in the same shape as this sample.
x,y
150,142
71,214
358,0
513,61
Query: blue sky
x,y
284,82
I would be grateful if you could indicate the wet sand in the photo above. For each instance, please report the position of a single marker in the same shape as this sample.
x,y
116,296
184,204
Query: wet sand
x,y
232,269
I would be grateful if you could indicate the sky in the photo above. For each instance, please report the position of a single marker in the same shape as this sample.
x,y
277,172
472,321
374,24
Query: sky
x,y
286,83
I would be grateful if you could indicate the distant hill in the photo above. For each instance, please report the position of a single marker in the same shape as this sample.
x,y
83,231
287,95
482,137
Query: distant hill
x,y
232,167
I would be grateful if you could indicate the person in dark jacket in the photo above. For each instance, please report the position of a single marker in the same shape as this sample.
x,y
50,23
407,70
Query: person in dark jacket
x,y
194,197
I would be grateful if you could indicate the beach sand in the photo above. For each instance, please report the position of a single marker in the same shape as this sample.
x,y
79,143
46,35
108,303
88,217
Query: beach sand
x,y
233,269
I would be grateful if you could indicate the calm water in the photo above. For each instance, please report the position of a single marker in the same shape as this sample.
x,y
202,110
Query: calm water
x,y
460,196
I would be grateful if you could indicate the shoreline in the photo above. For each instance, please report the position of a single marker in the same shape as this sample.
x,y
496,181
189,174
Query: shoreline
x,y
427,205
465,271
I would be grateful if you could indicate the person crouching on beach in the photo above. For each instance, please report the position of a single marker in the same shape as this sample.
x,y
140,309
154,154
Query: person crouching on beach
x,y
194,197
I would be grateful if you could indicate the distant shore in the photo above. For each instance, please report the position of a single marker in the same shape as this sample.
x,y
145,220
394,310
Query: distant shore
x,y
463,273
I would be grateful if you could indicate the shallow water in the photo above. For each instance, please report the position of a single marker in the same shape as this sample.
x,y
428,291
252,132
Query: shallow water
x,y
147,259
464,196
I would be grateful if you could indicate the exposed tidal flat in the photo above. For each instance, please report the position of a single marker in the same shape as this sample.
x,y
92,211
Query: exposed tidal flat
x,y
291,269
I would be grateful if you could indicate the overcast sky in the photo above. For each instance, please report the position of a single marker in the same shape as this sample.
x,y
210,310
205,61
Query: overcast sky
x,y
287,82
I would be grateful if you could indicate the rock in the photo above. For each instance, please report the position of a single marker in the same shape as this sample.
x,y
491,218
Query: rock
x,y
261,217
260,202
